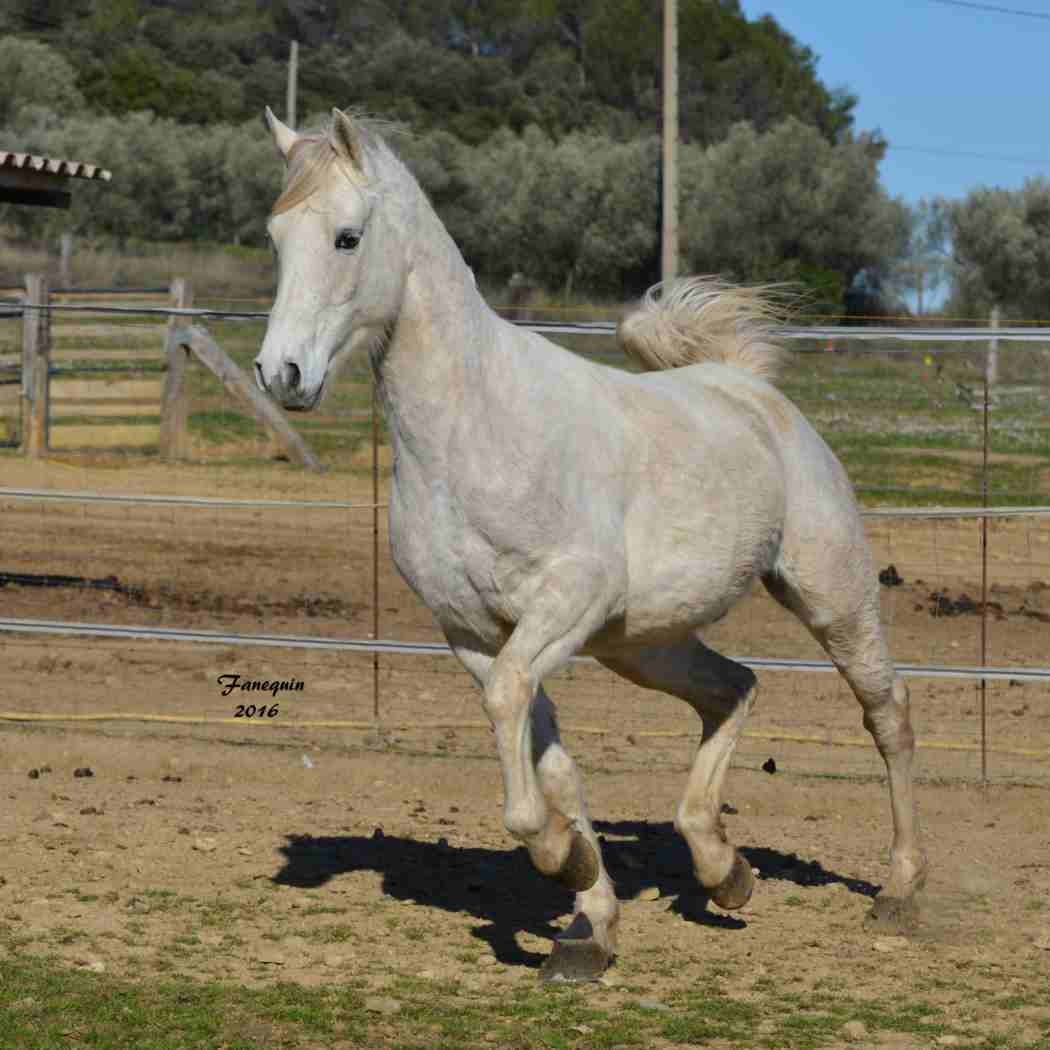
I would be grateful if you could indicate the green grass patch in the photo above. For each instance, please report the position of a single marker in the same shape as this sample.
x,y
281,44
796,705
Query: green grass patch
x,y
222,426
106,421
44,1004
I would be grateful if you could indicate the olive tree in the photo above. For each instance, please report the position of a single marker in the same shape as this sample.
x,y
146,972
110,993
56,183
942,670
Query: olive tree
x,y
580,214
1001,242
36,77
788,204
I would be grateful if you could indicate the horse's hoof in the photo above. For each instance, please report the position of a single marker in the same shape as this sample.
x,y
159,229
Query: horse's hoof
x,y
576,957
897,913
582,866
734,891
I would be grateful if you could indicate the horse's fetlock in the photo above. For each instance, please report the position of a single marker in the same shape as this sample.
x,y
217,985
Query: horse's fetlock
x,y
524,821
909,866
691,822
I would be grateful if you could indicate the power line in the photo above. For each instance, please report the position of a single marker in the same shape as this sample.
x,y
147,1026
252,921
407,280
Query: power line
x,y
1044,161
1041,15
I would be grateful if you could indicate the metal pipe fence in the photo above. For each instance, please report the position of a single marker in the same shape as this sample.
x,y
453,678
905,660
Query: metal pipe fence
x,y
954,340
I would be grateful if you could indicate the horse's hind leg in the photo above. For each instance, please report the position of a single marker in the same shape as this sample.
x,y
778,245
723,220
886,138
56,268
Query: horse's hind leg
x,y
843,616
722,692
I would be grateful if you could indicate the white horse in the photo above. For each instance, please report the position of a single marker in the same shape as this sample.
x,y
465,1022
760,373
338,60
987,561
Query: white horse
x,y
544,506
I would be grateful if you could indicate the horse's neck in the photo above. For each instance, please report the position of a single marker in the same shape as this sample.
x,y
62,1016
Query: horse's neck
x,y
429,373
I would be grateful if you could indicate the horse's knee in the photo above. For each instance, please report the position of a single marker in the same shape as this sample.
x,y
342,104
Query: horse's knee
x,y
901,695
509,691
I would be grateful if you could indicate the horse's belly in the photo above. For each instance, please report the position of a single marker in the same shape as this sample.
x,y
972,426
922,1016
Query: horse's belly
x,y
683,583
672,608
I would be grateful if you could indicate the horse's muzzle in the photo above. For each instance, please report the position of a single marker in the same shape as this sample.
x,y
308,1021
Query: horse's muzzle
x,y
285,386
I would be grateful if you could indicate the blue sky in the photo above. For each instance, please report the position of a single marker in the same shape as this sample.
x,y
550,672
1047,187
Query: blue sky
x,y
936,77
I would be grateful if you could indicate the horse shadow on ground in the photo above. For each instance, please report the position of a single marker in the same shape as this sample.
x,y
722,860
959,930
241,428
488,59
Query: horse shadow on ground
x,y
504,891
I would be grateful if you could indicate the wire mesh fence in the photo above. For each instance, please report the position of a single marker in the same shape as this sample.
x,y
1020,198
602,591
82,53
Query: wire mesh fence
x,y
247,544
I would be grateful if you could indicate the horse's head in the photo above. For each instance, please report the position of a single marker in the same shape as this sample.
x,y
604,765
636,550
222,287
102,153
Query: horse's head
x,y
337,289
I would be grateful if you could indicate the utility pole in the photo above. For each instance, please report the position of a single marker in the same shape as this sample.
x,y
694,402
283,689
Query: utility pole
x,y
991,358
293,84
669,234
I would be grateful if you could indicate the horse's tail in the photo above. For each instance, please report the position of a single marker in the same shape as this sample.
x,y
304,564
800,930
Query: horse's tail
x,y
697,319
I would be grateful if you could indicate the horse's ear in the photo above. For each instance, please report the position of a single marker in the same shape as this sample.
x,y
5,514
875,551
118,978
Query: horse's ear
x,y
284,137
347,139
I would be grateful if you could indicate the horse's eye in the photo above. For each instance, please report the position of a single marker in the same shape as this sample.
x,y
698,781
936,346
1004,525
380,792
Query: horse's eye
x,y
347,240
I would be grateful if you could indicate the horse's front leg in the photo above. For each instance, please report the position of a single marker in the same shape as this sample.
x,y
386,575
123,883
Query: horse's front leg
x,y
585,948
562,608
543,798
565,845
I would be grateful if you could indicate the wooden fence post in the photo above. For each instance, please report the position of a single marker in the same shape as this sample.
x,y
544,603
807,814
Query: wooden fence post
x,y
174,406
65,261
241,386
36,365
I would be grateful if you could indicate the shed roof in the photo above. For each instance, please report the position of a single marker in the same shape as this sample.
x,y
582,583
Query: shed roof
x,y
74,169
26,178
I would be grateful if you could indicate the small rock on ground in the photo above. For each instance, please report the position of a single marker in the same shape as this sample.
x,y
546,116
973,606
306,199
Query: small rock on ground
x,y
382,1004
653,1004
890,944
855,1030
650,893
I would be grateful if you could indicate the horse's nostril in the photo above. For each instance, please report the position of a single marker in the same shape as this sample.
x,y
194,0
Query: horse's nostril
x,y
260,382
291,375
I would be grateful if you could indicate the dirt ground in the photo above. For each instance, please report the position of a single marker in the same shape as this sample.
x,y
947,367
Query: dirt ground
x,y
189,856
311,846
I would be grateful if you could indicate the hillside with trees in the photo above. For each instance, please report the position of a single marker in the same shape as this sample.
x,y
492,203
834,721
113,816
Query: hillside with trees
x,y
533,126
465,66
